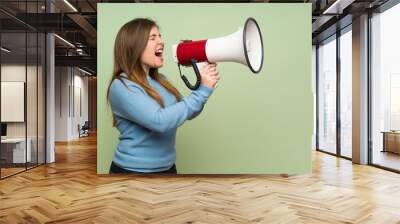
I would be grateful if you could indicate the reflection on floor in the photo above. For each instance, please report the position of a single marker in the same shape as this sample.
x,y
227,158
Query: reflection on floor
x,y
347,152
10,169
386,159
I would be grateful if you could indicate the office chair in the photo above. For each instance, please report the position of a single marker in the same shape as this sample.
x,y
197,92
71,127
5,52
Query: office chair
x,y
84,130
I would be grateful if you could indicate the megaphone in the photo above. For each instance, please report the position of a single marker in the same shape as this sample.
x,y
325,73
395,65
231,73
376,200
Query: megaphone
x,y
244,46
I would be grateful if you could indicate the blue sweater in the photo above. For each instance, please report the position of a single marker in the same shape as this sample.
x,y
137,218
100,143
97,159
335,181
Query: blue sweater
x,y
147,130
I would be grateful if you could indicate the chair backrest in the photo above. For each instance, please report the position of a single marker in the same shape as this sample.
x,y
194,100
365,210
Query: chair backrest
x,y
86,125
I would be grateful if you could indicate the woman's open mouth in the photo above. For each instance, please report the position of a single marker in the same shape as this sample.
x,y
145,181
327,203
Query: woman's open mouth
x,y
159,52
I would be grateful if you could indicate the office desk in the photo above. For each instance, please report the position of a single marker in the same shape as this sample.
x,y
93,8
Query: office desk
x,y
17,150
391,141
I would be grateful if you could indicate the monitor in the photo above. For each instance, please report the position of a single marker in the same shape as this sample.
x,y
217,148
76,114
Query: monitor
x,y
3,129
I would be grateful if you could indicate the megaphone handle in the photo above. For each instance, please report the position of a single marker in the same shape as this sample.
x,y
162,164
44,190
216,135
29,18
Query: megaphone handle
x,y
196,71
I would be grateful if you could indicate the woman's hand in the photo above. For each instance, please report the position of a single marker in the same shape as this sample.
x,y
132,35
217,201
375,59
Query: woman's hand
x,y
209,75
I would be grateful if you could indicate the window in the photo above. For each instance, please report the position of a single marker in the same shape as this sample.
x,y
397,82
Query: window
x,y
327,95
346,93
385,88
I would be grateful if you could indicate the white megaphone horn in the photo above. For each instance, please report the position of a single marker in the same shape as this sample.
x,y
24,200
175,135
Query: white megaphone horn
x,y
244,46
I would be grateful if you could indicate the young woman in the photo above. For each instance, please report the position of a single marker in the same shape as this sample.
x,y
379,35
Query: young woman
x,y
147,109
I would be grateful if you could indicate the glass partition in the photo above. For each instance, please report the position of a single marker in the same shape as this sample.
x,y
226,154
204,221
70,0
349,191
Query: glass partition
x,y
22,77
13,103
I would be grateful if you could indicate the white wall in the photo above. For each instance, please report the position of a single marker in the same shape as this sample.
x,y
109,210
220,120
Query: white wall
x,y
71,93
79,110
61,103
12,73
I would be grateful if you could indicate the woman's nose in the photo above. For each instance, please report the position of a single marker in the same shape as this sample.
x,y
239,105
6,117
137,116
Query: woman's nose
x,y
161,41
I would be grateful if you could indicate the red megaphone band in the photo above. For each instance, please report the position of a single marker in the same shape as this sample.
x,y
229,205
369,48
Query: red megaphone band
x,y
191,50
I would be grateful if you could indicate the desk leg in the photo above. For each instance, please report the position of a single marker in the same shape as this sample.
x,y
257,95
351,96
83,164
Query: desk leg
x,y
384,142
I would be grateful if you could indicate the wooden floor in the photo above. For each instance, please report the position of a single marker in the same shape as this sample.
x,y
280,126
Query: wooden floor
x,y
70,191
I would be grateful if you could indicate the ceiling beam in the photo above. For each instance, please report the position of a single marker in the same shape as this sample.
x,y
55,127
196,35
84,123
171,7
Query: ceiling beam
x,y
85,61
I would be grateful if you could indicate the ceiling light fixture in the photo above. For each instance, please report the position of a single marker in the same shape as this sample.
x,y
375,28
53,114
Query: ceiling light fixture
x,y
64,40
5,50
84,71
337,7
70,5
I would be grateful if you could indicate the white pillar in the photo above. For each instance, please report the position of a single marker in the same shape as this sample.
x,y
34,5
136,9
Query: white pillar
x,y
50,91
360,90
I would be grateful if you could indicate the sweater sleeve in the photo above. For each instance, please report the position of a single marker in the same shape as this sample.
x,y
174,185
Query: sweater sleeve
x,y
196,113
132,103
